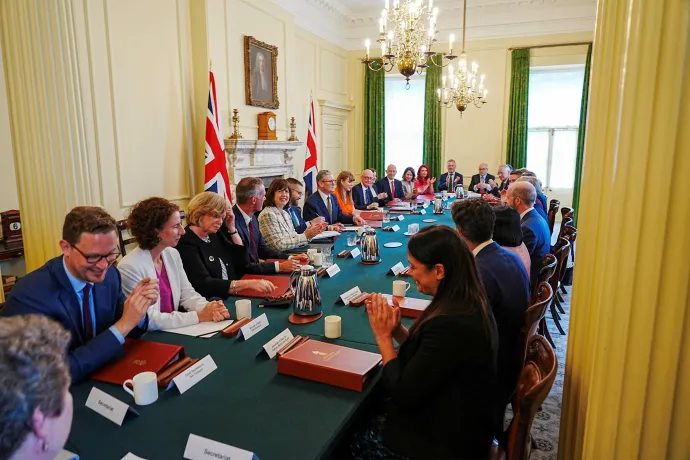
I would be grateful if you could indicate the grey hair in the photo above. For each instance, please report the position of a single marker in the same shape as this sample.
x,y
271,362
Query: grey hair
x,y
508,167
33,374
321,174
247,188
532,180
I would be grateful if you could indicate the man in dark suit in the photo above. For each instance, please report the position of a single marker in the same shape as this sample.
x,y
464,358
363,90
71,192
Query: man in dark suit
x,y
480,182
507,287
324,203
296,194
82,291
391,186
451,179
535,230
250,194
365,195
504,175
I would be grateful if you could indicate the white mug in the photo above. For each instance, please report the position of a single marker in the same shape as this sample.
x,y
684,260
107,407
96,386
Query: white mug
x,y
400,288
333,326
311,252
145,388
243,308
318,259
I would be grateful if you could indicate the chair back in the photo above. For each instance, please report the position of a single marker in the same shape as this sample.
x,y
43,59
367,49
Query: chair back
x,y
570,233
534,314
567,212
536,380
562,252
553,210
567,222
548,266
125,238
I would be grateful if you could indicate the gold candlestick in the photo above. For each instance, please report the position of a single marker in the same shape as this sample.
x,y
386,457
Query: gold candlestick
x,y
235,125
293,126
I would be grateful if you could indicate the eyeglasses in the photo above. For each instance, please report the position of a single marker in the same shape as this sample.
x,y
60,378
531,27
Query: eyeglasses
x,y
93,259
329,181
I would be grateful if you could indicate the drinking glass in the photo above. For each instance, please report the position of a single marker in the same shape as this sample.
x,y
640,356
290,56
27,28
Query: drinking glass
x,y
386,218
351,239
326,257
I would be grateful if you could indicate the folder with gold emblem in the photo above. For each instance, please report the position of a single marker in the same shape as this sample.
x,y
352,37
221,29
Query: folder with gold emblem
x,y
409,306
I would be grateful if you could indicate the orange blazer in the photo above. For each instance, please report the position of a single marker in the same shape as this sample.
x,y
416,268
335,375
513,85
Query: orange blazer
x,y
347,208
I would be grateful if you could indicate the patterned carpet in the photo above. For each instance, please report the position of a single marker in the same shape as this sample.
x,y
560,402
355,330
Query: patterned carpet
x,y
547,421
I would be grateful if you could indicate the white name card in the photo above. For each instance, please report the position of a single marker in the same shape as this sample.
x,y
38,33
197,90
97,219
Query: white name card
x,y
401,218
108,406
199,448
277,342
349,295
195,374
333,270
423,211
254,327
397,268
395,228
131,456
355,252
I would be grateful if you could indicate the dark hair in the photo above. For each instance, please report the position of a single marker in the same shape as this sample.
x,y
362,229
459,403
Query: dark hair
x,y
86,219
278,185
247,188
507,231
147,218
461,290
293,181
411,169
33,374
474,217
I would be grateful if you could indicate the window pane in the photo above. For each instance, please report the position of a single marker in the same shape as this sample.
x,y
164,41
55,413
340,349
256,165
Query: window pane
x,y
563,161
555,95
538,153
404,123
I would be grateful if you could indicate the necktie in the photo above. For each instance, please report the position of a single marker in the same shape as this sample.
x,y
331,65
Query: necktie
x,y
451,181
253,242
295,221
86,312
330,211
392,189
369,198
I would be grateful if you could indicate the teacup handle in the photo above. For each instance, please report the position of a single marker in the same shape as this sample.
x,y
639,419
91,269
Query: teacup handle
x,y
126,388
407,286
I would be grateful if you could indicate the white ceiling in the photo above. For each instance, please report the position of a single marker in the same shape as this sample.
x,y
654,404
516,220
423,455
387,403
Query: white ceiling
x,y
348,22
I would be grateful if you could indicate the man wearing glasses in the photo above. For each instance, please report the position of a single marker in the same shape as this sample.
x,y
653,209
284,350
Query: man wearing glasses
x,y
324,203
82,290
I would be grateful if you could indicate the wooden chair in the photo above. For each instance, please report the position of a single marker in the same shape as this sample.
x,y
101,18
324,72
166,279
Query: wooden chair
x,y
536,380
570,233
562,251
123,228
548,267
567,212
534,314
553,210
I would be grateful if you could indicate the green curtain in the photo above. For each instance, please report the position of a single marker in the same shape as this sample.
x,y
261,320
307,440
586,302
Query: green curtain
x,y
432,122
375,121
516,153
581,134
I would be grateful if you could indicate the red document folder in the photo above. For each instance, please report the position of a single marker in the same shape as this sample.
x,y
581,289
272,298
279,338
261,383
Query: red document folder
x,y
409,307
282,283
139,356
331,364
371,215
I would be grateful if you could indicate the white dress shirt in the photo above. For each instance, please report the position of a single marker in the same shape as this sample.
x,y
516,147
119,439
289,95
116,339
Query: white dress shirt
x,y
476,250
524,213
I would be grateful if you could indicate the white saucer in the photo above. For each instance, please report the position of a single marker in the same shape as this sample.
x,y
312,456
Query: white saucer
x,y
394,244
428,221
408,234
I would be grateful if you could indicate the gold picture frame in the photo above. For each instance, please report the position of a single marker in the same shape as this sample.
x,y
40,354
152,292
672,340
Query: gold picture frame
x,y
260,76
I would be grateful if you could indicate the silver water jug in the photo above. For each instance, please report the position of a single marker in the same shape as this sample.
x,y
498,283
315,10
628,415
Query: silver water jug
x,y
438,206
459,192
370,246
305,287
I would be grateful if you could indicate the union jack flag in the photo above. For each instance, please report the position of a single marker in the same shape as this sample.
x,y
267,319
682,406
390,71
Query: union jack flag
x,y
216,172
310,168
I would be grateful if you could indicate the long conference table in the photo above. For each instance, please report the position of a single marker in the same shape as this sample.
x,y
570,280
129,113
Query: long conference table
x,y
245,402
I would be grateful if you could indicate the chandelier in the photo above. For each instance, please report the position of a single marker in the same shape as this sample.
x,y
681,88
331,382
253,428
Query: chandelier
x,y
406,40
462,87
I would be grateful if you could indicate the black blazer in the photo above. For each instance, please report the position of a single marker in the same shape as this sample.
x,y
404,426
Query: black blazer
x,y
264,252
496,191
475,181
441,388
537,238
315,207
443,181
358,197
201,261
384,186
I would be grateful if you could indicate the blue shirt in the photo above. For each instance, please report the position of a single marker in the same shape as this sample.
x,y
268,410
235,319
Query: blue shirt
x,y
78,286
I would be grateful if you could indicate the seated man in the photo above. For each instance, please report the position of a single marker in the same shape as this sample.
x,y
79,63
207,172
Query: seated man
x,y
535,230
448,181
365,195
391,186
480,182
324,203
250,194
504,175
507,288
82,290
296,194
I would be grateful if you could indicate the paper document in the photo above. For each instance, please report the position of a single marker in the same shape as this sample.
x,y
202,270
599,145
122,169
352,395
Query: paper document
x,y
352,229
326,234
196,330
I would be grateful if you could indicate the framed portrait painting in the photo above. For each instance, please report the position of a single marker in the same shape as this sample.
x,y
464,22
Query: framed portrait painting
x,y
260,73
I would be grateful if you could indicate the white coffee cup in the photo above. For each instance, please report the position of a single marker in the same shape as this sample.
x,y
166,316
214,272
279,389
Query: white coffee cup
x,y
444,194
333,326
318,259
400,288
145,388
311,252
243,308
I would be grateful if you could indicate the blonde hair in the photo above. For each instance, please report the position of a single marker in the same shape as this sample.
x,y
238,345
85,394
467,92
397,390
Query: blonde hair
x,y
205,204
345,196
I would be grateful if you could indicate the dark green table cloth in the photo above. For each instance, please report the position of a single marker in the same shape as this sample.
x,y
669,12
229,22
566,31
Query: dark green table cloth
x,y
245,402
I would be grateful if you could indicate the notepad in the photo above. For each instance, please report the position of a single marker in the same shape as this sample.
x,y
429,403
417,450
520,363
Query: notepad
x,y
326,234
204,330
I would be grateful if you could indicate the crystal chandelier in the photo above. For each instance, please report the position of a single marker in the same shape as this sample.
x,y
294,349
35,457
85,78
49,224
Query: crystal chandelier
x,y
461,87
405,39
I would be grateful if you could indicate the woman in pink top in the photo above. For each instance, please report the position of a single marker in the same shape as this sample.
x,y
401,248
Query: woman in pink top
x,y
423,185
507,233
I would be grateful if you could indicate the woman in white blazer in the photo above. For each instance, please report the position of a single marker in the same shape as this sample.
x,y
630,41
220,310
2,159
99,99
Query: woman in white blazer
x,y
275,223
155,224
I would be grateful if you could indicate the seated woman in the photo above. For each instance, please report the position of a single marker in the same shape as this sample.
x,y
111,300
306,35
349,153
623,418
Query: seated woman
x,y
439,385
343,192
36,414
423,185
507,233
155,225
212,252
408,183
275,223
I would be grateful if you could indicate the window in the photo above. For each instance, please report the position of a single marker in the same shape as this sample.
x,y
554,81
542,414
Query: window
x,y
404,122
555,95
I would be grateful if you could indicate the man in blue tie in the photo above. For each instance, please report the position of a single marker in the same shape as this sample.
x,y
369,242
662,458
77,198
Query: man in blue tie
x,y
296,194
480,182
82,290
364,195
324,203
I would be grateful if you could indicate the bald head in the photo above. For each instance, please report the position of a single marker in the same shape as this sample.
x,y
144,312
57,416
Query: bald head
x,y
391,171
368,177
521,196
